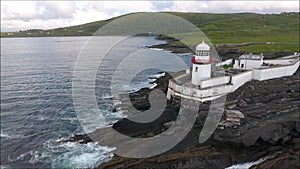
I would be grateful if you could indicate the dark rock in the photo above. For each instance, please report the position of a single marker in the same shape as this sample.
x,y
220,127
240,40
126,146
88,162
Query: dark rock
x,y
251,136
283,160
270,132
168,124
231,106
80,138
242,103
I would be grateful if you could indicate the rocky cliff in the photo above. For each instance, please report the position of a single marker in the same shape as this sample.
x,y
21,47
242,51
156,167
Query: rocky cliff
x,y
270,127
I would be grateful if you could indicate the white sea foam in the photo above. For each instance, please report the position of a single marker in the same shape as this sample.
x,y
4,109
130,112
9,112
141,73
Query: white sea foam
x,y
247,165
4,135
156,49
89,122
159,75
151,80
145,84
5,167
106,96
9,135
20,157
73,155
153,86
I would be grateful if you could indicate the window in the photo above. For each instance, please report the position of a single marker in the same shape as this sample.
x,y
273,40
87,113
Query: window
x,y
202,52
242,65
196,69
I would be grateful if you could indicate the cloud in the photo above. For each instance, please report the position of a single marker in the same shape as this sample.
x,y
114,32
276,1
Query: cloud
x,y
162,5
56,10
20,15
130,6
236,6
18,10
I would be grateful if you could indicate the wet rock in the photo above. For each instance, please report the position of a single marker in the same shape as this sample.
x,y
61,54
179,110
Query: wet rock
x,y
80,138
231,106
234,114
242,103
150,134
168,124
232,118
273,133
251,137
289,158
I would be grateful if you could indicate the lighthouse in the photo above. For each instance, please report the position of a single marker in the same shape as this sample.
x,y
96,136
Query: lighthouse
x,y
202,61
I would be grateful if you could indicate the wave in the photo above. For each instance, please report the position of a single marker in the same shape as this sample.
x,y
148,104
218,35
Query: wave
x,y
152,80
156,49
159,75
4,135
72,154
5,167
247,165
9,136
153,86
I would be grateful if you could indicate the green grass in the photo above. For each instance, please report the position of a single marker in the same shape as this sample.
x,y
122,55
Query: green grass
x,y
219,28
282,28
274,48
227,66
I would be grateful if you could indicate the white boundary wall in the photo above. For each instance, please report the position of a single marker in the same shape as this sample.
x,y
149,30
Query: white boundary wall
x,y
226,62
275,72
215,81
195,94
210,93
240,79
279,61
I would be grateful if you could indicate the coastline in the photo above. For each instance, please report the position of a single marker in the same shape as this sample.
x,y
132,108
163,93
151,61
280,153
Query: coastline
x,y
50,122
268,129
264,131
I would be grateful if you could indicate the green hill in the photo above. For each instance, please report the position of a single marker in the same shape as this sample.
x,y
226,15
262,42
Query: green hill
x,y
283,29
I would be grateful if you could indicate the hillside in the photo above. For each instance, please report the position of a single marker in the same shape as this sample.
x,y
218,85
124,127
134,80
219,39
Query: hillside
x,y
283,29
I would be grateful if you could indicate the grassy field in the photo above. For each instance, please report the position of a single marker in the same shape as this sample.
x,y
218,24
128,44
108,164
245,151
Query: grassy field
x,y
241,28
219,28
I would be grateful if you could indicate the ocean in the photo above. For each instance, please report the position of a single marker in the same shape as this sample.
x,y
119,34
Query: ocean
x,y
37,106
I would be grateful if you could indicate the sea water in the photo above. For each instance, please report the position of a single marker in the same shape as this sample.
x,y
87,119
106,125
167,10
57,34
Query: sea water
x,y
36,101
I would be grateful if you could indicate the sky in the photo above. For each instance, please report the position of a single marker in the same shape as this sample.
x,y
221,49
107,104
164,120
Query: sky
x,y
23,15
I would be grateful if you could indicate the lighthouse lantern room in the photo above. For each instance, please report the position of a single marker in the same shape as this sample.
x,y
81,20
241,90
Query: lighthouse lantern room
x,y
202,61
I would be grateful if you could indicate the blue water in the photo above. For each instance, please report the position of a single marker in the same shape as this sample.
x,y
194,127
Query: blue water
x,y
36,102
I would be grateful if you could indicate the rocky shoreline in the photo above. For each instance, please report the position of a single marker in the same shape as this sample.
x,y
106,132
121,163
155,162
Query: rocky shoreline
x,y
270,127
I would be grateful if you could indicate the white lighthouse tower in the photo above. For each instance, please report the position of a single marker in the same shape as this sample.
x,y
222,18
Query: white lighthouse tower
x,y
201,64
